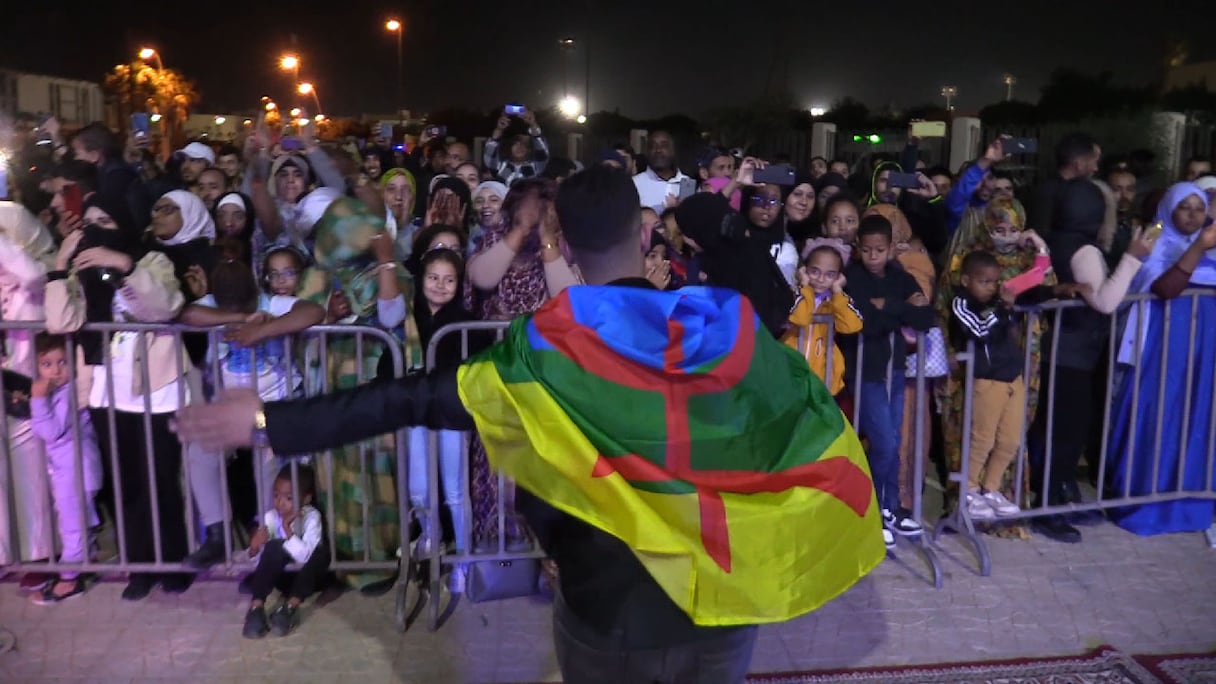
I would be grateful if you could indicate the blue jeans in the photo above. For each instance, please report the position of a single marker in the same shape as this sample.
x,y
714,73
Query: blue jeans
x,y
451,478
882,417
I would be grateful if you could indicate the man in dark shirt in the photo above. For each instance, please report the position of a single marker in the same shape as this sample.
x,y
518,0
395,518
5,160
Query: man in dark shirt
x,y
613,622
1077,156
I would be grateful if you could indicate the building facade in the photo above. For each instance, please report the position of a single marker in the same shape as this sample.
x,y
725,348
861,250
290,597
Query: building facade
x,y
75,103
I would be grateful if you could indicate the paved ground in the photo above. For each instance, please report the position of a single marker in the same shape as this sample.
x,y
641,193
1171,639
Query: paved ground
x,y
1141,595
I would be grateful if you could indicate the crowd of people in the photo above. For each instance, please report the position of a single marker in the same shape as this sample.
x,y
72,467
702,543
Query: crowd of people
x,y
279,235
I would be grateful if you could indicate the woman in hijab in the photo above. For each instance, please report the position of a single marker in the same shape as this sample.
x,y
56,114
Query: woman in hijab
x,y
1179,328
801,219
104,274
449,201
765,213
27,252
1081,334
183,230
1003,233
357,278
487,210
519,265
234,218
400,191
828,186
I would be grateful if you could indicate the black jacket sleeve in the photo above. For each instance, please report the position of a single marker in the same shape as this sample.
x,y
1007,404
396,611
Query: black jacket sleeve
x,y
331,420
927,220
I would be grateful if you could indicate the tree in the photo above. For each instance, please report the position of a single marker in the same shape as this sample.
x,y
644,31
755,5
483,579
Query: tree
x,y
1071,96
1010,113
848,113
140,87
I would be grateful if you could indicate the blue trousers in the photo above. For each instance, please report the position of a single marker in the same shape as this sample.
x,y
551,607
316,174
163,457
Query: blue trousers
x,y
452,470
882,417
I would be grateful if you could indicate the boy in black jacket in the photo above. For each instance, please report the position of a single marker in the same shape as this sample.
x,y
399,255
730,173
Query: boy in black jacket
x,y
999,392
889,299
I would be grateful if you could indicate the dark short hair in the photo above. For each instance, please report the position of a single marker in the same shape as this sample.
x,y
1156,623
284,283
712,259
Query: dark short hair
x,y
599,209
978,259
823,159
78,172
1072,147
558,168
97,137
234,286
306,476
215,169
842,197
1198,159
1003,174
874,225
46,342
444,254
938,170
228,149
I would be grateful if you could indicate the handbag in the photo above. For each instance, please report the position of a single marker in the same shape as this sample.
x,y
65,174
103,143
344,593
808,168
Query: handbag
x,y
937,364
501,579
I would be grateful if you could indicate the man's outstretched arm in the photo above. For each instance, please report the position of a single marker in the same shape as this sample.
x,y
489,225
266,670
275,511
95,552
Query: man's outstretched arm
x,y
329,420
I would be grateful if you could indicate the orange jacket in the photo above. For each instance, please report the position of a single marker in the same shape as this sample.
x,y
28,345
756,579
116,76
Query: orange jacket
x,y
811,339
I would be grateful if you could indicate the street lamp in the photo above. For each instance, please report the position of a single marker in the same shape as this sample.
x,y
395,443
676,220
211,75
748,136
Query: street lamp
x,y
949,92
395,26
818,111
291,64
319,118
569,107
582,119
295,112
148,53
1010,80
567,46
310,89
271,106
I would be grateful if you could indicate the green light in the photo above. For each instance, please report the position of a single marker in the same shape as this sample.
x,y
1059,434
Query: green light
x,y
875,138
856,138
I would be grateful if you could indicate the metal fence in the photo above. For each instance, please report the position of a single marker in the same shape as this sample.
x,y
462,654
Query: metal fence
x,y
422,565
305,359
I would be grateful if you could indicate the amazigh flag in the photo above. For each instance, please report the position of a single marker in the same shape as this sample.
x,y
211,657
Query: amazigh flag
x,y
674,422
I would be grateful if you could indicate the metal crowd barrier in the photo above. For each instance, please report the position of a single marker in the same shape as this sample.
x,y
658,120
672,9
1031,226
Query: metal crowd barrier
x,y
305,356
1105,498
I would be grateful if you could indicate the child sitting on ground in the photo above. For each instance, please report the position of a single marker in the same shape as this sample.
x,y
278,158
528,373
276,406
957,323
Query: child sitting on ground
x,y
290,534
999,413
821,284
51,421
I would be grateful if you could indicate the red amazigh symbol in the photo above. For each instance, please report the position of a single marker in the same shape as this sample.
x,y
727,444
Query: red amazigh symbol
x,y
836,476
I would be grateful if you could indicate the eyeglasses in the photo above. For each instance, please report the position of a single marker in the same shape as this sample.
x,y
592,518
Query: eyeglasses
x,y
166,209
285,274
764,201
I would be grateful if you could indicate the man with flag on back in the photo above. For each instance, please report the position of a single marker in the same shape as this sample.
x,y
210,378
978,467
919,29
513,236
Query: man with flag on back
x,y
689,474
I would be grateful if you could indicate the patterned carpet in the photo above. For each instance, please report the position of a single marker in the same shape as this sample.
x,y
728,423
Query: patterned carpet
x,y
1103,665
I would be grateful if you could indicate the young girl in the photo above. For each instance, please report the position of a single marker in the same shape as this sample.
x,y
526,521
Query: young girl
x,y
442,275
50,416
254,353
821,292
289,534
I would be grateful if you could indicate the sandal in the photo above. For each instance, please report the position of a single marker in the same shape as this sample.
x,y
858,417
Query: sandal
x,y
49,597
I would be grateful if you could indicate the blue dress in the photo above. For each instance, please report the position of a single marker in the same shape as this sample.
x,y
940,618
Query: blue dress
x,y
1190,452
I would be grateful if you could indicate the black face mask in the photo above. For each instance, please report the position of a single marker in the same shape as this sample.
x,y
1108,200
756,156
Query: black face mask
x,y
98,236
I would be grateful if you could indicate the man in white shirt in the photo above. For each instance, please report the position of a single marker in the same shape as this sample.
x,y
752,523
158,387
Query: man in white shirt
x,y
659,185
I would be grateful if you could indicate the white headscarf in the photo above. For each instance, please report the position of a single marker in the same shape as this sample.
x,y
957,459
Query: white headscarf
x,y
498,189
24,230
196,220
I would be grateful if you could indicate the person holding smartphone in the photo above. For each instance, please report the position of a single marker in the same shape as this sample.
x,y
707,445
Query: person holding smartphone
x,y
527,153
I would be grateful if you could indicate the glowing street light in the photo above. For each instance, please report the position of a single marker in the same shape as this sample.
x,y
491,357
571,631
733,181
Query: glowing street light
x,y
304,88
295,112
154,118
818,111
949,92
219,120
569,107
148,53
310,89
271,106
395,26
289,63
247,122
303,121
1009,80
319,118
582,118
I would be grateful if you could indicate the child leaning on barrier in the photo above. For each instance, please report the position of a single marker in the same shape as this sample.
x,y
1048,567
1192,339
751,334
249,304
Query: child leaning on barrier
x,y
253,352
821,284
978,314
292,532
51,420
442,272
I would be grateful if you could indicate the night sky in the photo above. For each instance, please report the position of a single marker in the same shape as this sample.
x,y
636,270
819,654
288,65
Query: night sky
x,y
648,58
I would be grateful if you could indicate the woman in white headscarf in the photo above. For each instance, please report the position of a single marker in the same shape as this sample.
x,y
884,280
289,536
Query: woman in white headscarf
x,y
1174,346
26,251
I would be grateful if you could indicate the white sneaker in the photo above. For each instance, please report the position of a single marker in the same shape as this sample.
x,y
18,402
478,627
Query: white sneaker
x,y
978,507
1000,505
888,538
